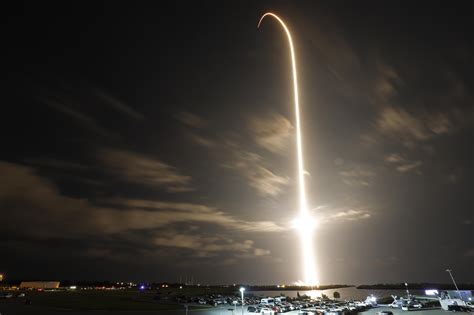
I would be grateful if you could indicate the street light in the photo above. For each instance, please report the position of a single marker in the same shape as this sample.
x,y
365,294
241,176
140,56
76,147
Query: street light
x,y
242,293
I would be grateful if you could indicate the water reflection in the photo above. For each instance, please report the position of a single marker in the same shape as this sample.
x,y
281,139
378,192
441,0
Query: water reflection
x,y
314,294
345,293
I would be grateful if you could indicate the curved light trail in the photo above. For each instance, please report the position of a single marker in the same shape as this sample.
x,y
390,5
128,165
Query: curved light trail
x,y
305,223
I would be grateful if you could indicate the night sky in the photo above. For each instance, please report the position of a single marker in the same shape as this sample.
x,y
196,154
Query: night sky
x,y
158,142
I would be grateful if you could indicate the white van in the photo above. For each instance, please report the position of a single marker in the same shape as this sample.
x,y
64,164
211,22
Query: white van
x,y
280,299
267,301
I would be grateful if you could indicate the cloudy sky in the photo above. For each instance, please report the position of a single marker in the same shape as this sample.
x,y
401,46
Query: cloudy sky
x,y
159,142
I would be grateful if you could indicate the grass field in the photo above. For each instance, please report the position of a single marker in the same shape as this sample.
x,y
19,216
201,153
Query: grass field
x,y
104,300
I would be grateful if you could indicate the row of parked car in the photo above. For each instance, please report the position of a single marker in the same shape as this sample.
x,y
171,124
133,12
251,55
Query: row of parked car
x,y
283,305
11,295
268,309
312,307
216,300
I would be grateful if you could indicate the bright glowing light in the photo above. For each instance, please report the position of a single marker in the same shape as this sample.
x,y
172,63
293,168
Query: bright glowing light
x,y
305,222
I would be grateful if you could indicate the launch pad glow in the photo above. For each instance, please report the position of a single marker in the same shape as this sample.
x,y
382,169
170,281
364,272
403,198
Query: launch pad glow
x,y
305,223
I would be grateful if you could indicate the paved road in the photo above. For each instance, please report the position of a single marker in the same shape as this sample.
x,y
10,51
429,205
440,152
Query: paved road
x,y
373,311
398,311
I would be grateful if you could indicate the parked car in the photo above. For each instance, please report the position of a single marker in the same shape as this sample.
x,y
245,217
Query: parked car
x,y
458,308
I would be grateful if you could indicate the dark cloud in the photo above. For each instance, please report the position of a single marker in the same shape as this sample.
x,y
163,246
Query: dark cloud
x,y
144,144
28,197
273,132
191,120
253,168
141,169
119,106
83,119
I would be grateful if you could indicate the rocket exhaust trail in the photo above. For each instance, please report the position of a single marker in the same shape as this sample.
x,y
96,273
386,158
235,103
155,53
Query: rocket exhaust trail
x,y
305,225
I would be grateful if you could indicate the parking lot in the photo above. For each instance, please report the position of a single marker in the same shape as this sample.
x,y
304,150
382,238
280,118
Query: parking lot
x,y
225,310
150,302
21,309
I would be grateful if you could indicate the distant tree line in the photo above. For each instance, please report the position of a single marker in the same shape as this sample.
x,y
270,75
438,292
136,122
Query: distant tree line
x,y
417,286
295,287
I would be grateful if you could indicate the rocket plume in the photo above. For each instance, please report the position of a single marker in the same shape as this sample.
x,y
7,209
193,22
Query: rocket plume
x,y
305,223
